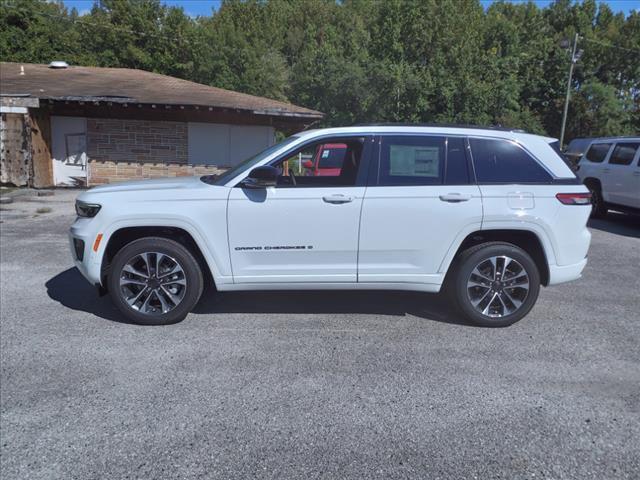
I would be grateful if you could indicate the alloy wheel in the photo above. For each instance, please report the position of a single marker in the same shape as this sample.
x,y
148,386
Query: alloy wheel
x,y
153,283
498,286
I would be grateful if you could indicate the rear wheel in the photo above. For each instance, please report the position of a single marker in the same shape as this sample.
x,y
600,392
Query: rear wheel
x,y
495,284
598,206
155,281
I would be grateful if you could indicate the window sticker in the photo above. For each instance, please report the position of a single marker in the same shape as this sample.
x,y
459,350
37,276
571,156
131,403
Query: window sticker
x,y
326,153
416,161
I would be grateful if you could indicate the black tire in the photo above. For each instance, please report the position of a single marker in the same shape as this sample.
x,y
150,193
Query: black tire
x,y
177,253
598,205
475,256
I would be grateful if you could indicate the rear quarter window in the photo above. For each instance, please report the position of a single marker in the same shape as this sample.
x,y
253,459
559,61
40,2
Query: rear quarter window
x,y
504,161
623,153
597,152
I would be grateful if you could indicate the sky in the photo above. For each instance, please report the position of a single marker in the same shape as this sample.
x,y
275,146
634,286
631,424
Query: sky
x,y
205,7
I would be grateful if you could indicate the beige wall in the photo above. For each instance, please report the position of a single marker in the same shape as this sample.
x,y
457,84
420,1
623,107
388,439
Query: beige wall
x,y
101,172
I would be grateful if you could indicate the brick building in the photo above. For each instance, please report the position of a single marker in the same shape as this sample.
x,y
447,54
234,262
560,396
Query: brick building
x,y
74,126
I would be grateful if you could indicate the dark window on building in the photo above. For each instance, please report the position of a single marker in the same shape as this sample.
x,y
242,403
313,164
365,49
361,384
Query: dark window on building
x,y
597,152
411,160
623,153
503,161
457,164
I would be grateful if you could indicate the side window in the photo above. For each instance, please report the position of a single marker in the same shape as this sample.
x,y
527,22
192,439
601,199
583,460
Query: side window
x,y
623,153
329,163
411,160
503,161
597,152
457,169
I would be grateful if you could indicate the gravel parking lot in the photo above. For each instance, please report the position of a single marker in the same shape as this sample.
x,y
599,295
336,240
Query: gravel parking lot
x,y
313,385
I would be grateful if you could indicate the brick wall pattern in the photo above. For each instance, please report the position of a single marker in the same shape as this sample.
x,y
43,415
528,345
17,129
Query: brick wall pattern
x,y
122,149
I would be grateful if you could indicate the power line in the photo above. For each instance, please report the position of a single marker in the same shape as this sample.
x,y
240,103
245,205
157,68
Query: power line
x,y
609,45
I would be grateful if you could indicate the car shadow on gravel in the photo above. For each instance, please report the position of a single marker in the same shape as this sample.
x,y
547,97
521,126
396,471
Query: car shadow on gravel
x,y
71,290
618,223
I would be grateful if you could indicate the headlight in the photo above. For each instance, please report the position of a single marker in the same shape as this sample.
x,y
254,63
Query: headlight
x,y
87,209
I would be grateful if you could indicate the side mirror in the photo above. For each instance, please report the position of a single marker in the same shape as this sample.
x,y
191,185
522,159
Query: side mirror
x,y
261,177
307,164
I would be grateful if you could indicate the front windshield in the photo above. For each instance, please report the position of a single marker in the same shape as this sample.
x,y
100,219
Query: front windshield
x,y
246,164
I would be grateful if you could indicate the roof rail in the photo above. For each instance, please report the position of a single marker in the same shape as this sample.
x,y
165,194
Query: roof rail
x,y
445,125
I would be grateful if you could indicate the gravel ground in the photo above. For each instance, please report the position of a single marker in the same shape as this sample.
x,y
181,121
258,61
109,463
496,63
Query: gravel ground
x,y
313,385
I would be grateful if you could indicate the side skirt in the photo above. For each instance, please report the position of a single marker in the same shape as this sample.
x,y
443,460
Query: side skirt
x,y
412,287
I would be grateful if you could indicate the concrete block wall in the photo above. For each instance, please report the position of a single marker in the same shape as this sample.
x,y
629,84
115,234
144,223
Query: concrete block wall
x,y
122,149
101,172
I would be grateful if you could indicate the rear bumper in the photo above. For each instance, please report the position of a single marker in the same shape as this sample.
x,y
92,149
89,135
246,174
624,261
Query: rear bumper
x,y
566,273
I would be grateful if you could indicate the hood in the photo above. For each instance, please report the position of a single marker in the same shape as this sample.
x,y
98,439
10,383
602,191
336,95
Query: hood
x,y
146,185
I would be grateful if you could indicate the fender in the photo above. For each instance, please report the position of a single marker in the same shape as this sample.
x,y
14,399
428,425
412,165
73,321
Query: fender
x,y
532,227
540,230
215,260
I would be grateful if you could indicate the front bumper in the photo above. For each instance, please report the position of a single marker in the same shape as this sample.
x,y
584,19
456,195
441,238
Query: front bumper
x,y
89,263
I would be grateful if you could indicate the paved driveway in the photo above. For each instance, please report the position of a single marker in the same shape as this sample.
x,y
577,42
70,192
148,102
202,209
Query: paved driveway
x,y
314,385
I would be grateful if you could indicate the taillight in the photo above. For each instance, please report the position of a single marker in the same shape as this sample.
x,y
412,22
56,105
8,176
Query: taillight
x,y
574,198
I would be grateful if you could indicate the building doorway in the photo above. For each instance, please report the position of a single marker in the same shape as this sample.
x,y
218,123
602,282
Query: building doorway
x,y
69,151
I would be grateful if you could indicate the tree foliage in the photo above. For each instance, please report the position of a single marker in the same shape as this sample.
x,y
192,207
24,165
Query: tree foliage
x,y
365,60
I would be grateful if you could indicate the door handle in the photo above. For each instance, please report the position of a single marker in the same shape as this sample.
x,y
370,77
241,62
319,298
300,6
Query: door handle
x,y
455,197
337,199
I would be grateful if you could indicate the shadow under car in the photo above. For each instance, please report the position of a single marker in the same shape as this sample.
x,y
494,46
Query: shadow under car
x,y
617,223
71,290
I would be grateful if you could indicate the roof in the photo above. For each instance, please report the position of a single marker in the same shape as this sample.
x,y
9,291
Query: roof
x,y
606,139
441,129
125,85
497,128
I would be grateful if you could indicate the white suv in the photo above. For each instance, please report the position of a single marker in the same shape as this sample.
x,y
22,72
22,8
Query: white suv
x,y
610,168
489,214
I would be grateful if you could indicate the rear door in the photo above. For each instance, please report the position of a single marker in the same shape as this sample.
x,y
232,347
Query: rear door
x,y
420,198
622,186
592,163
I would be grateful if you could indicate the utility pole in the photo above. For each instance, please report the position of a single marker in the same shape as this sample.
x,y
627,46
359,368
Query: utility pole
x,y
575,56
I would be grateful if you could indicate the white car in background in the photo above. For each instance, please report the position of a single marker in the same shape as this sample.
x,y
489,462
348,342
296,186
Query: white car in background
x,y
490,215
610,168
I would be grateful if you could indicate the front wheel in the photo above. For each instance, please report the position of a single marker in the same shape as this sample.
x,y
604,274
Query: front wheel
x,y
495,284
155,281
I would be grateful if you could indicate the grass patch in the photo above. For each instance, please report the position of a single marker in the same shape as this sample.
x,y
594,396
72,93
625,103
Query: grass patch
x,y
43,210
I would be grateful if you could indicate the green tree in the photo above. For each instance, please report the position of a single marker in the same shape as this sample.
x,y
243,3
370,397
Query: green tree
x,y
365,60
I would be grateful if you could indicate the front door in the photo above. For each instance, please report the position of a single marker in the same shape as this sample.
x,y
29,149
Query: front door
x,y
306,228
